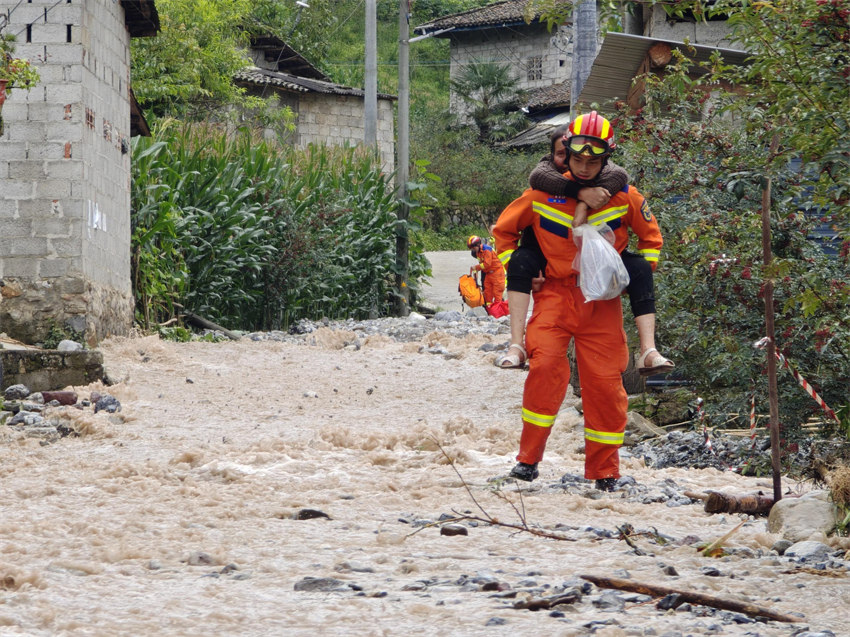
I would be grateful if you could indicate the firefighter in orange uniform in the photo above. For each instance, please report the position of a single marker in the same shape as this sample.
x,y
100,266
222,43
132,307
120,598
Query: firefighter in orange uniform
x,y
561,314
493,272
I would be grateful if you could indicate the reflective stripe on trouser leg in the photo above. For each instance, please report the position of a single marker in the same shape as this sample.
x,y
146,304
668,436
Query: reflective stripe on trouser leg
x,y
549,370
601,357
535,432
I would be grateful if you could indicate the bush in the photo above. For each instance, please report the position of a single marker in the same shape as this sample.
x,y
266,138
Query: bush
x,y
704,182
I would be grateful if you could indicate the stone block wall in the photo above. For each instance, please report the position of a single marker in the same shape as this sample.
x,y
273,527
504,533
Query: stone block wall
x,y
521,48
46,370
337,120
710,33
65,173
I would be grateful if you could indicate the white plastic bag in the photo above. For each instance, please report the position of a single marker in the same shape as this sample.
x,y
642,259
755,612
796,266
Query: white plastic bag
x,y
603,275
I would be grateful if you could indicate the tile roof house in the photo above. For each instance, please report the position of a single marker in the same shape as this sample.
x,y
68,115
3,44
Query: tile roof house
x,y
499,33
325,112
542,60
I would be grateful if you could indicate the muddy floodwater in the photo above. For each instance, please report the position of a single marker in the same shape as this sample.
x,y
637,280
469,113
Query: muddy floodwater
x,y
182,513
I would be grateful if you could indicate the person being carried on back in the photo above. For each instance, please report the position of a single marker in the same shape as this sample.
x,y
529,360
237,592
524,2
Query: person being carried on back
x,y
527,265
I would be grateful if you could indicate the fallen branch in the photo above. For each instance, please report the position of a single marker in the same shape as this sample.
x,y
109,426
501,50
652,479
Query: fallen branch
x,y
486,517
708,550
200,321
655,590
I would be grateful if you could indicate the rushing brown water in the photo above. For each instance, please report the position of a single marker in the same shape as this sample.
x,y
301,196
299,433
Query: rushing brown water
x,y
176,516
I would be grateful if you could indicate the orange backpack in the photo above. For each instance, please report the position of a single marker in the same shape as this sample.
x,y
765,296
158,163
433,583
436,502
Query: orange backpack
x,y
469,291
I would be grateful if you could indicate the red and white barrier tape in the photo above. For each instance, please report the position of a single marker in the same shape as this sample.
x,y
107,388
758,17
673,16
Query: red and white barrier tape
x,y
762,343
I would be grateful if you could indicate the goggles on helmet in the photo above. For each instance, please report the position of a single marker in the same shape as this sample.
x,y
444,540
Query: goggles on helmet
x,y
587,145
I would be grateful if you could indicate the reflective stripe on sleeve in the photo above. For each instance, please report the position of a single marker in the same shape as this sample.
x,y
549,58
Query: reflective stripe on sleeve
x,y
505,256
604,437
650,255
541,420
608,214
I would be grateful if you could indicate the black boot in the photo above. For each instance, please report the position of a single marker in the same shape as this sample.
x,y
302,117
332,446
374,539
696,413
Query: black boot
x,y
606,484
525,472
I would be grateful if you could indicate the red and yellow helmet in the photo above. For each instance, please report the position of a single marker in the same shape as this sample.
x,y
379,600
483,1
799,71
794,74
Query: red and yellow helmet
x,y
473,241
591,135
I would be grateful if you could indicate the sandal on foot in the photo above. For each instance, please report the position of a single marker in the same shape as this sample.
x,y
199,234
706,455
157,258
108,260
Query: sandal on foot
x,y
662,365
512,361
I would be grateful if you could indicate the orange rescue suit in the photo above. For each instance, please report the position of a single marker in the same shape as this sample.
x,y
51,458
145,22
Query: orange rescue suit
x,y
494,274
561,314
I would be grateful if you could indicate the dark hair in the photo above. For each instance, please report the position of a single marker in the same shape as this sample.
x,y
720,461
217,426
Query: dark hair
x,y
557,134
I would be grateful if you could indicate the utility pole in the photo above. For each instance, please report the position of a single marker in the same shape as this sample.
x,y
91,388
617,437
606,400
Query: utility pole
x,y
402,243
584,48
770,331
370,104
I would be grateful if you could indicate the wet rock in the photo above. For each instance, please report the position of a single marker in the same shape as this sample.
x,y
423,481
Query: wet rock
x,y
16,392
199,558
797,519
638,427
670,602
26,419
353,567
780,546
107,403
453,529
809,551
323,584
610,602
310,514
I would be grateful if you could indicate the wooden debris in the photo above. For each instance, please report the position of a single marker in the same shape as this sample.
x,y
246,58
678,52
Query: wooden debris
x,y
754,503
692,597
715,502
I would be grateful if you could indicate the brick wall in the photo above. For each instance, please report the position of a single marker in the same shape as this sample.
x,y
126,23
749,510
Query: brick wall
x,y
337,120
65,173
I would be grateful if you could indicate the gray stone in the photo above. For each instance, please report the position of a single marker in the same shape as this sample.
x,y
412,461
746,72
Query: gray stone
x,y
809,550
16,392
311,584
69,346
797,519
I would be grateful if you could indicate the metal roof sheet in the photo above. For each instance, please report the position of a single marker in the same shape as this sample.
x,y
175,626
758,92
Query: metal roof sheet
x,y
620,57
539,133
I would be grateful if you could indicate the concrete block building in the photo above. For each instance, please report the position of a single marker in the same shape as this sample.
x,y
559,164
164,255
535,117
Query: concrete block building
x,y
65,169
325,112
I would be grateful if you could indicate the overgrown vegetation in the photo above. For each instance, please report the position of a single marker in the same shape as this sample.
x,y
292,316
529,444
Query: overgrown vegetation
x,y
705,177
253,235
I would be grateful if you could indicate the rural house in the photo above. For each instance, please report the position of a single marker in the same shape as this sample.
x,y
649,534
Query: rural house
x,y
542,59
325,112
65,168
498,33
